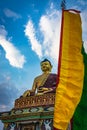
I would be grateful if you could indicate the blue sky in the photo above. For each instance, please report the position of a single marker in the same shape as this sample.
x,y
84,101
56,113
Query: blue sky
x,y
30,32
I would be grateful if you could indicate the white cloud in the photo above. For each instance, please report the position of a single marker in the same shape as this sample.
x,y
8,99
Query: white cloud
x,y
3,108
49,27
3,32
85,46
84,23
11,14
83,2
15,58
30,33
84,28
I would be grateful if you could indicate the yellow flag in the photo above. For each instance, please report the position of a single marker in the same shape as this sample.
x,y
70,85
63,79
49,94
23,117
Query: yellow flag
x,y
70,70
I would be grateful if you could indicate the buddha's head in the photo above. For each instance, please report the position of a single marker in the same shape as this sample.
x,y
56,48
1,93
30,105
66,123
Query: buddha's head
x,y
46,65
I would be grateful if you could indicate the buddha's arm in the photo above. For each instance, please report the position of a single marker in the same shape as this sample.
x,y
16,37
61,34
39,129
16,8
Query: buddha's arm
x,y
30,92
26,93
34,86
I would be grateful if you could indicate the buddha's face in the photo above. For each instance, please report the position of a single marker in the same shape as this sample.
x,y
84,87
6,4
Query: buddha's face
x,y
46,67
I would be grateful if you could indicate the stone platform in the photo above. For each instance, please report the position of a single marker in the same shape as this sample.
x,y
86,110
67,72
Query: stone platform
x,y
34,101
30,113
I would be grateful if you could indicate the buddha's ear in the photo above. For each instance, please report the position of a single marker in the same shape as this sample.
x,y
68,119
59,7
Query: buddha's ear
x,y
51,67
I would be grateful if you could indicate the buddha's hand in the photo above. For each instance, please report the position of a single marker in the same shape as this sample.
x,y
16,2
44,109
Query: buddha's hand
x,y
44,89
47,90
41,90
26,93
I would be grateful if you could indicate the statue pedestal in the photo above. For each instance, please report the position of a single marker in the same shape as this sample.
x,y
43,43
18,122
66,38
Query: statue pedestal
x,y
30,113
35,101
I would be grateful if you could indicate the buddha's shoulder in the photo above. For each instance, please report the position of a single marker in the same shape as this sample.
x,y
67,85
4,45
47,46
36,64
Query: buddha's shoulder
x,y
53,74
43,76
38,77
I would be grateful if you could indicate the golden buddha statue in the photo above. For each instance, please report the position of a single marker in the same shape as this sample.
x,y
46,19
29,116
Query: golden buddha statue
x,y
44,83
